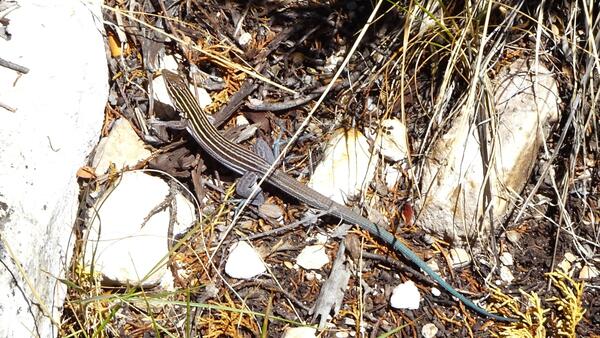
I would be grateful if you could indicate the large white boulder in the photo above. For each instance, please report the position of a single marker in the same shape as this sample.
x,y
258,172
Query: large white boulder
x,y
59,111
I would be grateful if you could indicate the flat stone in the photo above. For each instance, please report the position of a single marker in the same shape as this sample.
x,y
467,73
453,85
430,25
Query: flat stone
x,y
347,168
244,262
406,296
460,257
312,257
391,140
588,272
118,246
122,147
300,332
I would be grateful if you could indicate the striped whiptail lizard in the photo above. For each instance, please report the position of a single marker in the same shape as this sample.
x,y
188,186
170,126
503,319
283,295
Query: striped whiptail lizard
x,y
242,161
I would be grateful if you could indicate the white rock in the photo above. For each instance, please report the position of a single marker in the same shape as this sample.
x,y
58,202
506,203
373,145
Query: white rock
x,y
565,265
312,257
391,140
169,62
588,272
460,257
244,262
118,246
392,176
160,93
313,275
122,147
513,236
347,168
406,296
271,210
570,257
241,120
429,330
506,275
453,173
59,112
506,258
321,238
433,265
435,291
300,332
244,39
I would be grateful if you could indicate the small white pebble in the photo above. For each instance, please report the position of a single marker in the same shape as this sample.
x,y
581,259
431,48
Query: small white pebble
x,y
435,292
312,257
460,257
506,258
300,332
204,99
570,257
241,120
406,296
429,330
588,272
342,334
271,210
513,236
321,238
506,275
565,265
244,262
244,39
433,265
391,142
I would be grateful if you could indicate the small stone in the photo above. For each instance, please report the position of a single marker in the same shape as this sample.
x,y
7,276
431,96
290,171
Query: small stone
x,y
513,236
244,262
300,332
122,147
406,296
460,257
433,265
241,120
429,330
570,257
321,238
312,275
392,176
288,265
588,272
312,257
436,292
506,275
122,244
391,141
203,97
244,39
347,168
565,265
506,258
271,210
